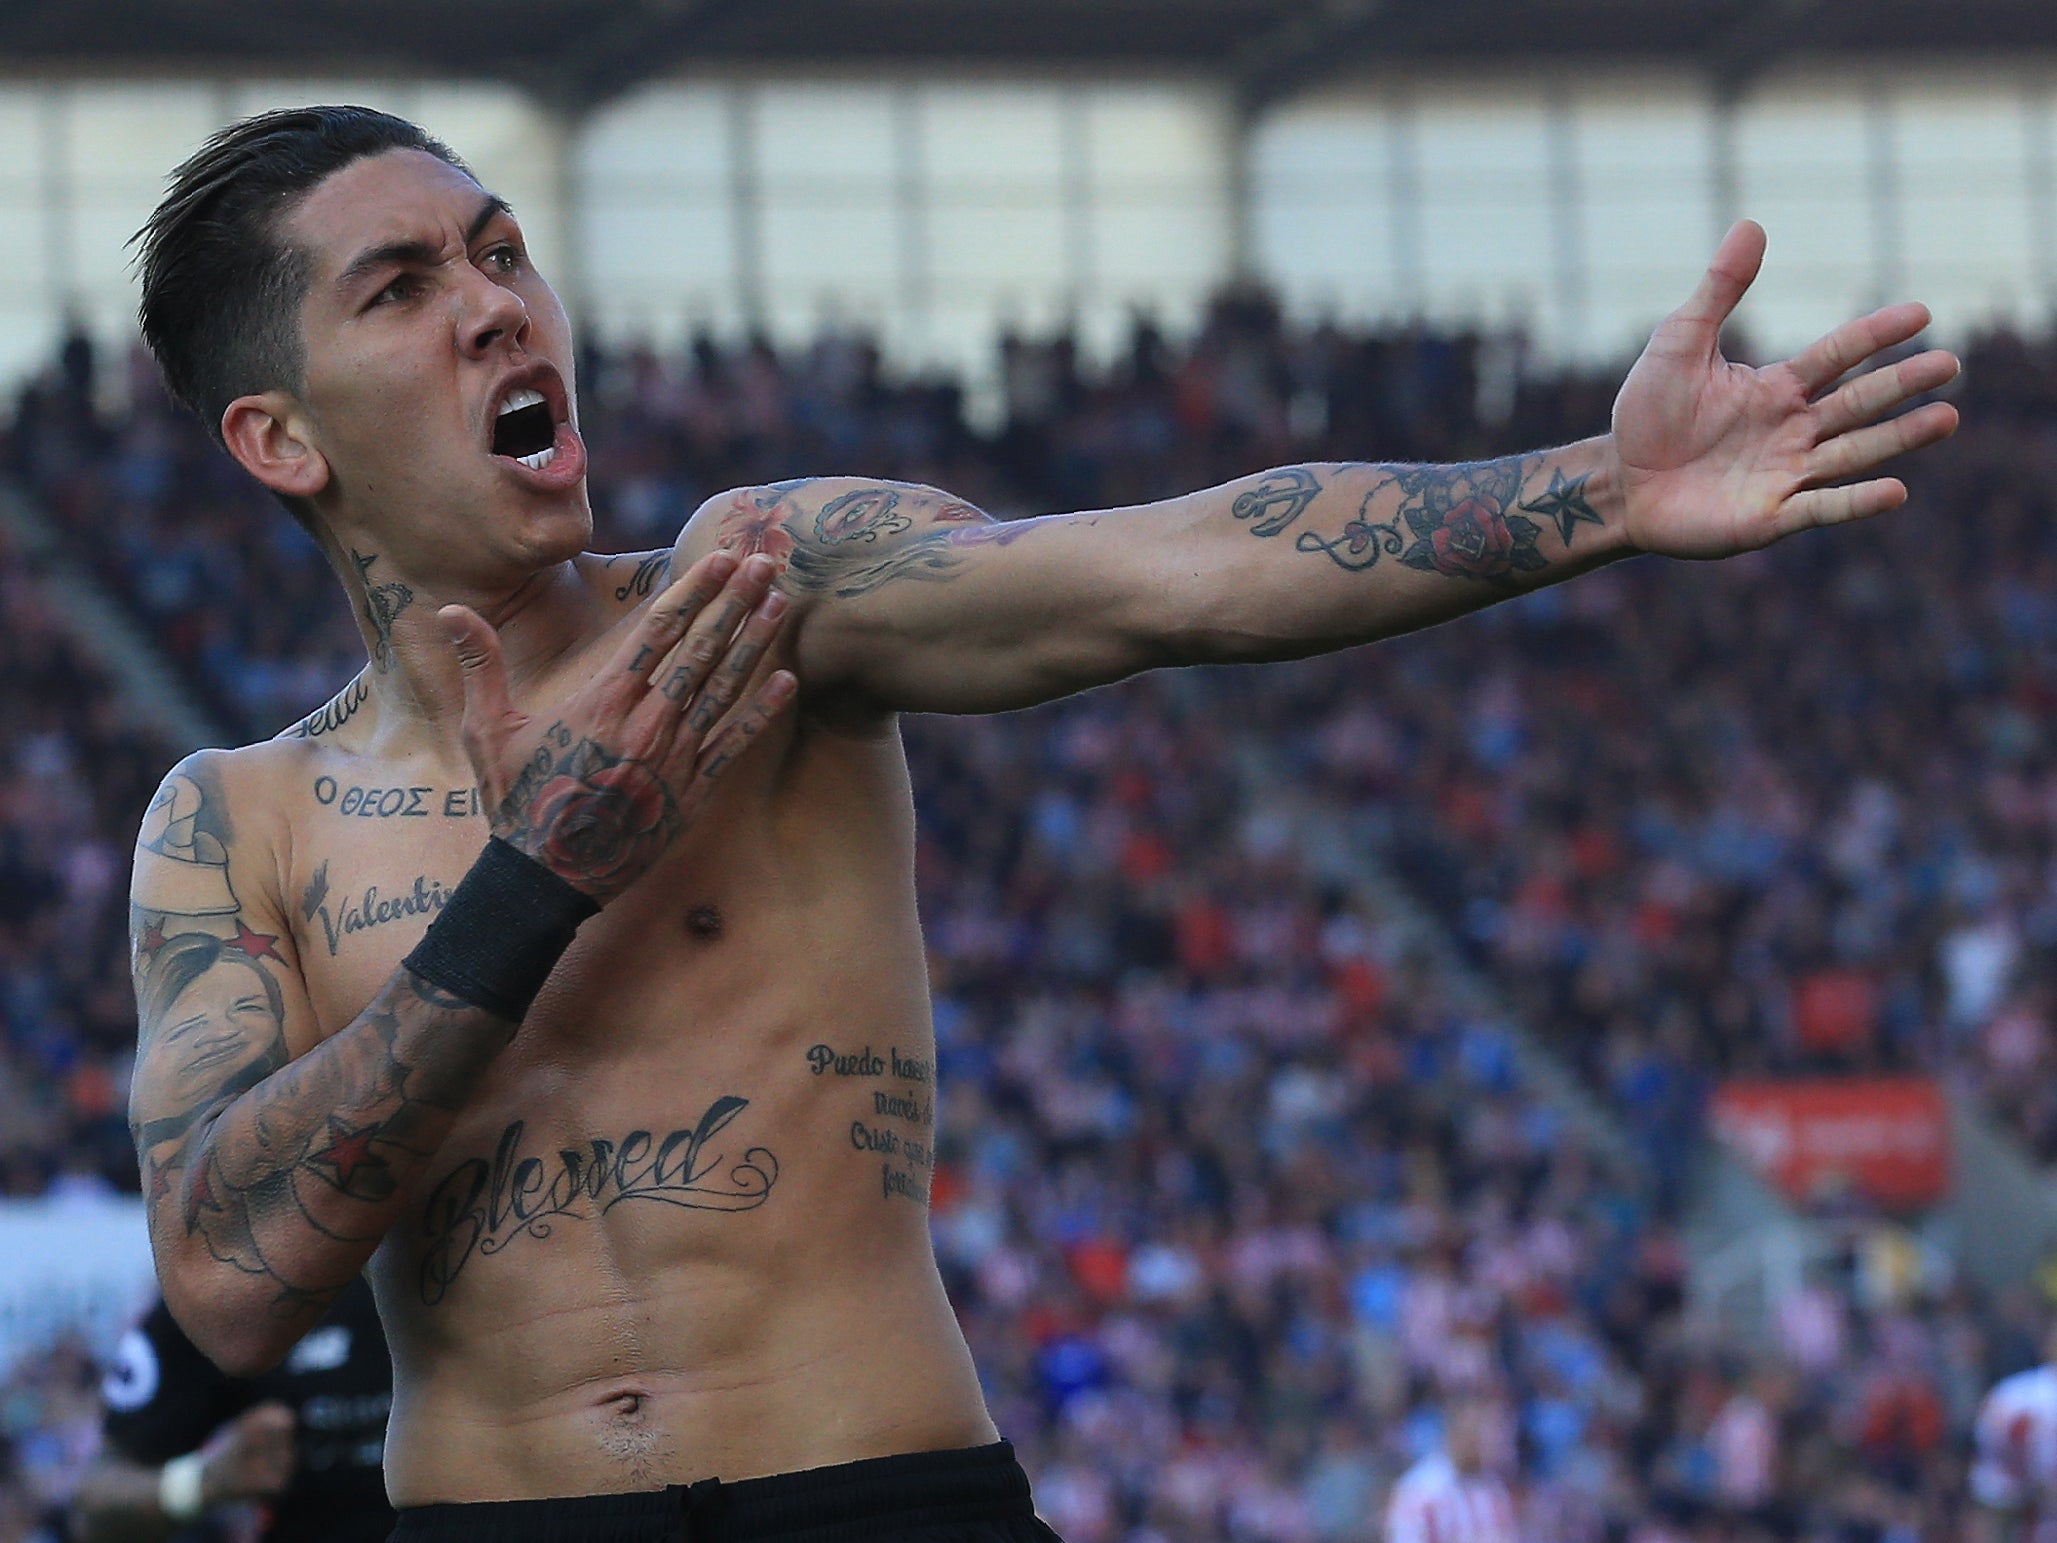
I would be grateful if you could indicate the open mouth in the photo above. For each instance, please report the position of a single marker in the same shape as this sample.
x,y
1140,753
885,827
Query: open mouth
x,y
524,430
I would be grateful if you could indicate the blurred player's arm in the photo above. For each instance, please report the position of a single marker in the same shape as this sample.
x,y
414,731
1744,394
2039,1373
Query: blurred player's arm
x,y
914,600
249,1458
1999,1481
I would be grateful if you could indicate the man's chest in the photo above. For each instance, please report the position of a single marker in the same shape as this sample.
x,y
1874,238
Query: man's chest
x,y
376,854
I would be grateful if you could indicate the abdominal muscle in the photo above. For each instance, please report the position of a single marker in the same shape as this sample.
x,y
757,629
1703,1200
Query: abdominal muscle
x,y
639,1275
681,1230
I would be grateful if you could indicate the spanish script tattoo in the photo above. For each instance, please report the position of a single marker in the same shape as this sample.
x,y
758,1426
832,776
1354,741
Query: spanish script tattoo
x,y
906,1157
483,1204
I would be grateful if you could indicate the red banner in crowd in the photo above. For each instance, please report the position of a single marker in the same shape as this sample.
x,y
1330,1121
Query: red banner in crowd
x,y
1888,1137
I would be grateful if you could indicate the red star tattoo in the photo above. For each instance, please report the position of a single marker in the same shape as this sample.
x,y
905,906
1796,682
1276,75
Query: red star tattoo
x,y
256,944
348,1150
160,1182
201,1199
153,937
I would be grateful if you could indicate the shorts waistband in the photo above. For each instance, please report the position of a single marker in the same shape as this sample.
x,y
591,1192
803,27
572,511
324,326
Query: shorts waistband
x,y
962,1486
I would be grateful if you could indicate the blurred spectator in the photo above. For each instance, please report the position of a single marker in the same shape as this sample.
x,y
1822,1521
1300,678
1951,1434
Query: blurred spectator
x,y
1234,1197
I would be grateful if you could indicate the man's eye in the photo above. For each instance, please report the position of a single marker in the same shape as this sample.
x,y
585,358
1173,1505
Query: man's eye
x,y
402,288
503,259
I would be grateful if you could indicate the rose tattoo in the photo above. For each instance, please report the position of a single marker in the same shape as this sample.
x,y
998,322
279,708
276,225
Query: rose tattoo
x,y
593,819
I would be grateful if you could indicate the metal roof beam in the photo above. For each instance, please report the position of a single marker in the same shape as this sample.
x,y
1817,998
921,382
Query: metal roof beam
x,y
1739,56
1323,42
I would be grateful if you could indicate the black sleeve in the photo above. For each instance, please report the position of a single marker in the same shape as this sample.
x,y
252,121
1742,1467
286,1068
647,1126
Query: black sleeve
x,y
160,1396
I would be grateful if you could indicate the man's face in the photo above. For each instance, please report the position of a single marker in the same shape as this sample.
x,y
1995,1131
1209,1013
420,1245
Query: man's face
x,y
422,319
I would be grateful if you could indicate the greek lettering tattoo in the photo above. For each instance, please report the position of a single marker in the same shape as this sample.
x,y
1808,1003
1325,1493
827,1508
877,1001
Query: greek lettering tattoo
x,y
483,1204
419,802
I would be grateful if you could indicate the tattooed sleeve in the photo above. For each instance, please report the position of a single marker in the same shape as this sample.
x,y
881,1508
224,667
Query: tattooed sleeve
x,y
269,1179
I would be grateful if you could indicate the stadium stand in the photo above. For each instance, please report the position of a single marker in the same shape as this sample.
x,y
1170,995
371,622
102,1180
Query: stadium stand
x,y
1231,1194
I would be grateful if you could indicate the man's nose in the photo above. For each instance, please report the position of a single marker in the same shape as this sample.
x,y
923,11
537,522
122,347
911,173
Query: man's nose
x,y
494,314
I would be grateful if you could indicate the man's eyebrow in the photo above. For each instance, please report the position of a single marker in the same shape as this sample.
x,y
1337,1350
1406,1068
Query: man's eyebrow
x,y
405,253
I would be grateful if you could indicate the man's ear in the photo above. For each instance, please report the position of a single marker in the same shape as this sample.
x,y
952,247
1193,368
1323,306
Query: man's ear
x,y
271,439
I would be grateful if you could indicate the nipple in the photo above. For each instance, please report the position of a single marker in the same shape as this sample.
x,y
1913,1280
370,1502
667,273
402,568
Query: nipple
x,y
704,921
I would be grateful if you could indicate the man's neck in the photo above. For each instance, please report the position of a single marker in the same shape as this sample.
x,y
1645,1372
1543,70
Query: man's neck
x,y
414,676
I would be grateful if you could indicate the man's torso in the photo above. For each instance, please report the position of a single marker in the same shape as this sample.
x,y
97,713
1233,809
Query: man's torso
x,y
680,1231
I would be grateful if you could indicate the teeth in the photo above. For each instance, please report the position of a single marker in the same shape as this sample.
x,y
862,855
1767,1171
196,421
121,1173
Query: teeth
x,y
540,459
518,398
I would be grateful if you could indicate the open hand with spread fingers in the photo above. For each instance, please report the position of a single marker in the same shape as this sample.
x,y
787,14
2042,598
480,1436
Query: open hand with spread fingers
x,y
1719,458
600,792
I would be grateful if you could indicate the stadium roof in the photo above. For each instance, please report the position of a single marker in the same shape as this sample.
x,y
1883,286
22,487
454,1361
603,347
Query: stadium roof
x,y
579,52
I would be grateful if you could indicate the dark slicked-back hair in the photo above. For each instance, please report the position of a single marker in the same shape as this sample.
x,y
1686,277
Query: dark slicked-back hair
x,y
221,287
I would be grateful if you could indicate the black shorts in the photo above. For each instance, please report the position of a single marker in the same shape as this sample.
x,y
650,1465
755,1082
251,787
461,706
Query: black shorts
x,y
970,1495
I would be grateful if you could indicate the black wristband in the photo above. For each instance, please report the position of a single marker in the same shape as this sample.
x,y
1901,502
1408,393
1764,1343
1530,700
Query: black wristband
x,y
501,932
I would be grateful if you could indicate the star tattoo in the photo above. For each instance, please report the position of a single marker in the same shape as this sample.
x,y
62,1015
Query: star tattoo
x,y
200,1197
255,945
152,937
1565,502
349,1149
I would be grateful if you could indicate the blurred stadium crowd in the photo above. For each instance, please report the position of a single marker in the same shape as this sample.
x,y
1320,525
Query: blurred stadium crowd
x,y
1233,1196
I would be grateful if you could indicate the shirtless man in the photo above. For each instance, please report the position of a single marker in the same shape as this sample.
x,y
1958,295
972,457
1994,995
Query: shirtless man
x,y
655,1217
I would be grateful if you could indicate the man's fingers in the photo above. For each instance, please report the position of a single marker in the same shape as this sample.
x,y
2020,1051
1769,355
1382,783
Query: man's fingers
x,y
1834,506
1849,455
765,704
1826,358
670,614
1731,272
682,672
489,714
1880,391
478,651
736,666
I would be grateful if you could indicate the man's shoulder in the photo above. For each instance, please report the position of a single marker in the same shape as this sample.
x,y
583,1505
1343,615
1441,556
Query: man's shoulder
x,y
820,525
218,806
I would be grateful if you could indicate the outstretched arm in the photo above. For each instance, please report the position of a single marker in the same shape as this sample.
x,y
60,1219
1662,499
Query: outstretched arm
x,y
274,1161
913,600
